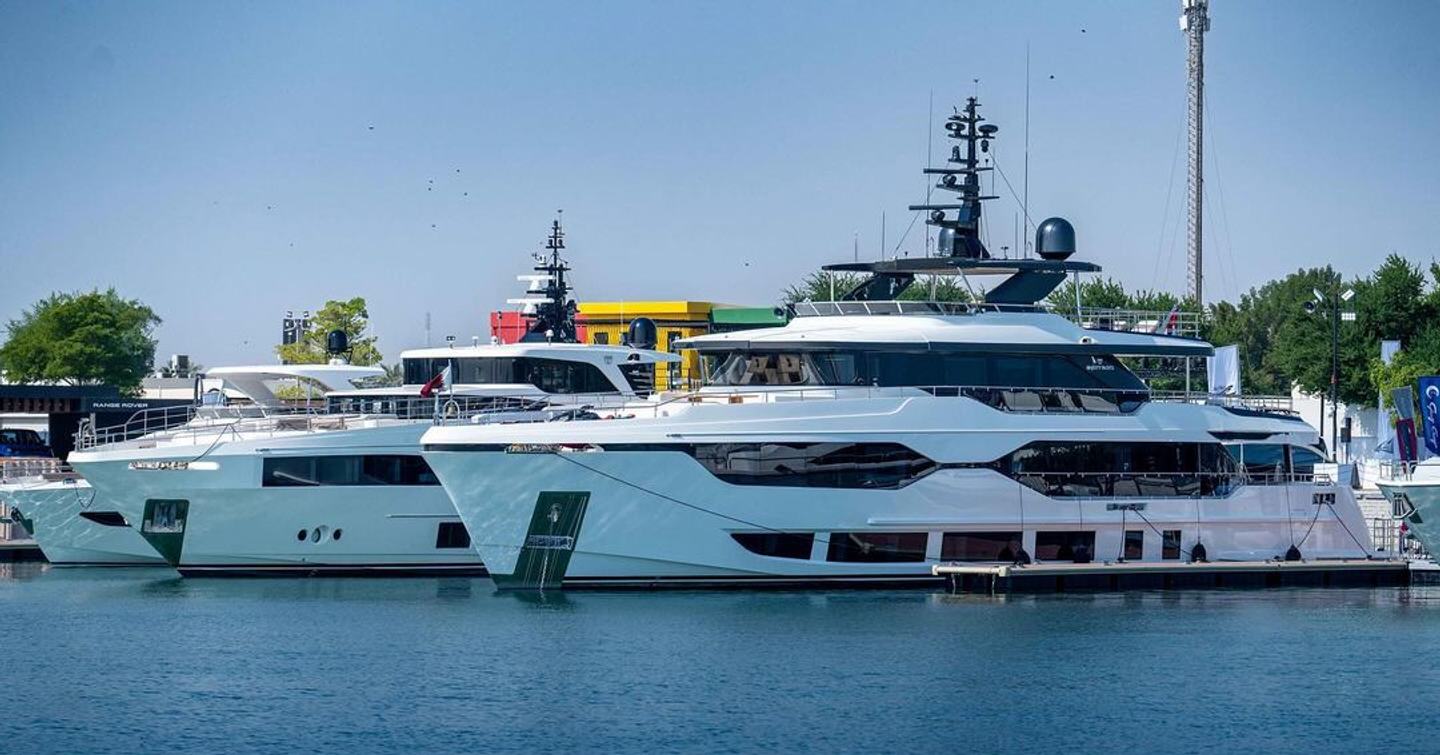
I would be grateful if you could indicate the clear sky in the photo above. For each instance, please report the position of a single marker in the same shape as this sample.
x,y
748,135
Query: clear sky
x,y
226,162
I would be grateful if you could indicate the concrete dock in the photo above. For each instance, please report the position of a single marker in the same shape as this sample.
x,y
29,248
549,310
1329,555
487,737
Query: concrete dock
x,y
19,550
1150,575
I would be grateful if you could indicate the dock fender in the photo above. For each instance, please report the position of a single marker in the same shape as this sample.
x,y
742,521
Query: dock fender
x,y
1197,554
1293,554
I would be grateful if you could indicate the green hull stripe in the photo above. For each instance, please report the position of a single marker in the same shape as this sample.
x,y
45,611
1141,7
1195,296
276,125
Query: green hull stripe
x,y
549,543
164,527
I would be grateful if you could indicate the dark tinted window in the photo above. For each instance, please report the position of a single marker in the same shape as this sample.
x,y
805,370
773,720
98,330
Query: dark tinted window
x,y
877,547
560,376
378,469
420,371
1303,460
777,544
1114,469
452,535
1262,462
815,465
1134,545
1170,544
980,546
1064,546
923,368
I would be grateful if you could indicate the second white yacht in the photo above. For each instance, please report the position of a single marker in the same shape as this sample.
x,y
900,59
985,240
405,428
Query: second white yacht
x,y
271,488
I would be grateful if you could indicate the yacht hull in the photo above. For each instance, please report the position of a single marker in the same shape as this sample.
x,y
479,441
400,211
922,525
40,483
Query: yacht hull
x,y
53,511
657,518
214,517
1419,507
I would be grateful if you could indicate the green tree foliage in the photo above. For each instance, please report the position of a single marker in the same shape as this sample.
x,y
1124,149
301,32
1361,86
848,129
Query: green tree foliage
x,y
349,316
82,338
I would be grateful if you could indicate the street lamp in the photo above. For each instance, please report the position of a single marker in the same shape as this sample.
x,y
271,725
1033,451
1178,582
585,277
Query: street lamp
x,y
1334,300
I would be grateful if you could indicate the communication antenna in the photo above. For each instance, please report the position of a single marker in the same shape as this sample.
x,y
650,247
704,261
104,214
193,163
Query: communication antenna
x,y
1025,188
1194,22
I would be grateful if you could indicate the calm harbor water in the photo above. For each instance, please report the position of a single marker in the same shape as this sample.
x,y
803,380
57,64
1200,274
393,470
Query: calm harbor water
x,y
140,660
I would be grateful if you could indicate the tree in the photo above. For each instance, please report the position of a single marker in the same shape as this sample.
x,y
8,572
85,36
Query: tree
x,y
82,339
349,316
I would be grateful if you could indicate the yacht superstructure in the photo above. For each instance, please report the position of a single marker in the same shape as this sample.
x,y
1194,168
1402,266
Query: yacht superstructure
x,y
872,438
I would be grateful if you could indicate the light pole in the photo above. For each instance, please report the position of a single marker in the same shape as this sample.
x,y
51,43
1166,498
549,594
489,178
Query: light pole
x,y
1334,300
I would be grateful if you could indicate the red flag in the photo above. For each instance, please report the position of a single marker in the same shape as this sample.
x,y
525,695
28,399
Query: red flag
x,y
433,384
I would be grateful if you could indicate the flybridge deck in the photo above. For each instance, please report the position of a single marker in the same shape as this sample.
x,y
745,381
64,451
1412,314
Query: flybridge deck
x,y
1151,575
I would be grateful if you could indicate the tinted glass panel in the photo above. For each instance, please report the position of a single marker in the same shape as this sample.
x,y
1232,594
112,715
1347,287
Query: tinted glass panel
x,y
1064,546
777,544
1263,462
377,469
1303,460
815,465
1112,469
452,535
1134,545
877,547
927,368
1170,544
980,546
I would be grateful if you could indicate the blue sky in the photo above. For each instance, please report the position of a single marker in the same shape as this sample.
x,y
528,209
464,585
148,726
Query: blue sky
x,y
226,162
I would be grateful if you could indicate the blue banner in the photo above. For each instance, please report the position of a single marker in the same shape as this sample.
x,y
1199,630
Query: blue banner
x,y
1430,412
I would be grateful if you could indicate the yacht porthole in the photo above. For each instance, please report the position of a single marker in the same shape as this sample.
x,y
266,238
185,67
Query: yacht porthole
x,y
301,535
318,534
337,534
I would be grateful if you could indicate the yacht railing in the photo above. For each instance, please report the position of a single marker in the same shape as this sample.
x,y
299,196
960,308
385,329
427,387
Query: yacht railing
x,y
1010,399
147,427
15,468
1075,484
1173,322
1277,404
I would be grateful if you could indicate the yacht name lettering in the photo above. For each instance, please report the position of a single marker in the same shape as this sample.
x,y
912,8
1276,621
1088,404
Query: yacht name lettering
x,y
158,465
551,542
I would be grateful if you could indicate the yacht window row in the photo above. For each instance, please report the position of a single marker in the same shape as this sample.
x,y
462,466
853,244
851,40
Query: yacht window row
x,y
1059,469
1123,470
984,547
549,375
814,465
921,368
372,469
1011,382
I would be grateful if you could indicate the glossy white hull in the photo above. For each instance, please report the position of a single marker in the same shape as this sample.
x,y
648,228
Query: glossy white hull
x,y
53,511
655,517
234,525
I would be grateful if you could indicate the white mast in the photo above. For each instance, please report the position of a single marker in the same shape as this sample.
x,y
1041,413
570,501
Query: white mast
x,y
1194,22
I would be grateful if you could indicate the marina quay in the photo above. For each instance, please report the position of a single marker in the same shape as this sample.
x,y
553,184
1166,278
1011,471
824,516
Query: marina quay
x,y
726,377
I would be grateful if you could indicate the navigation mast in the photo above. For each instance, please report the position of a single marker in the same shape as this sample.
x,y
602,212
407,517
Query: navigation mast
x,y
960,233
554,309
1194,22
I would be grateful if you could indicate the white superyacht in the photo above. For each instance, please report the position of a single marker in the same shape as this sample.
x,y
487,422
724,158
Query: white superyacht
x,y
870,439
